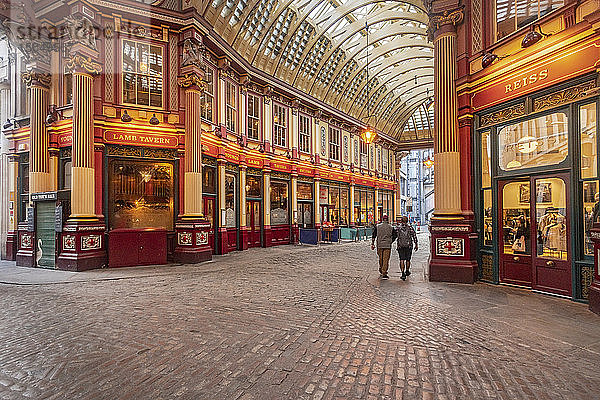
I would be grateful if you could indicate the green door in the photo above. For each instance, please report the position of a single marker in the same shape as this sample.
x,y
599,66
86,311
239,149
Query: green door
x,y
45,235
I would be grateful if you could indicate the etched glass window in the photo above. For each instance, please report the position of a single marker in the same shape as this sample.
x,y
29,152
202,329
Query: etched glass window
x,y
534,143
279,203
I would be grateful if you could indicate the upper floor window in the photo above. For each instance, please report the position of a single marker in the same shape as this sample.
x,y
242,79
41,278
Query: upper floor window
x,y
231,104
511,15
142,74
208,97
253,117
334,143
68,87
304,133
279,125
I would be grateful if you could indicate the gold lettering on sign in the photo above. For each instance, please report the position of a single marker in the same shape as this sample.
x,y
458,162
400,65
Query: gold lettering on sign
x,y
526,81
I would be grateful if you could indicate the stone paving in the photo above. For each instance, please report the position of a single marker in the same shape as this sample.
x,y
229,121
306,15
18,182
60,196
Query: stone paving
x,y
290,323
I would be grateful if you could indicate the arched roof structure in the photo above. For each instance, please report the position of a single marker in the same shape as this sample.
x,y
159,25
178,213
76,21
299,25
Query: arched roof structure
x,y
321,48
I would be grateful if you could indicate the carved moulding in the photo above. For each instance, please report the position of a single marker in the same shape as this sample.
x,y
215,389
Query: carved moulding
x,y
190,80
35,78
84,64
518,110
562,97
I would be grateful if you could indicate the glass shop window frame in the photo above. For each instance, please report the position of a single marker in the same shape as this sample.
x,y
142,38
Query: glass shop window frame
x,y
231,197
567,163
148,75
254,117
231,106
207,100
580,252
273,191
280,130
23,187
304,133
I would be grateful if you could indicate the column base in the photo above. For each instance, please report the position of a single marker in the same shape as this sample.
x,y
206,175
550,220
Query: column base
x,y
11,245
244,237
267,236
82,246
192,245
594,297
453,245
223,241
294,239
25,238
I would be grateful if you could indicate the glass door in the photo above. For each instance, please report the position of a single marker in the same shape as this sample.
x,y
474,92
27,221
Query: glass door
x,y
209,213
552,259
253,222
305,219
514,244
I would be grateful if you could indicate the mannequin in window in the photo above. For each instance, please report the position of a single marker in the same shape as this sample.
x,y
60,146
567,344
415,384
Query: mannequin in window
x,y
521,235
556,235
548,219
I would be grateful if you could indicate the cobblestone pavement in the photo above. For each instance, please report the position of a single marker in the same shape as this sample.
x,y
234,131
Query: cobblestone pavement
x,y
293,323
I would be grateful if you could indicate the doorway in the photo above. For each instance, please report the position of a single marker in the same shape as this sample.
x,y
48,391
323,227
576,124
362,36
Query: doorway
x,y
209,213
45,246
253,222
534,233
305,215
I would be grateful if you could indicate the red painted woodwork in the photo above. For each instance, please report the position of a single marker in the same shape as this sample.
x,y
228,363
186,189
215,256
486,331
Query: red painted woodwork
x,y
25,241
253,216
209,205
98,174
267,236
232,244
461,268
244,238
82,246
295,234
280,234
223,246
132,247
11,245
594,291
514,269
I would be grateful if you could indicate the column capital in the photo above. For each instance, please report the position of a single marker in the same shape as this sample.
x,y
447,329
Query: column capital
x,y
192,81
83,64
445,21
35,78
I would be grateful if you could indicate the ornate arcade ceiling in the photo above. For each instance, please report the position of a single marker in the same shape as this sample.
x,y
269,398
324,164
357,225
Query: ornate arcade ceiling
x,y
321,48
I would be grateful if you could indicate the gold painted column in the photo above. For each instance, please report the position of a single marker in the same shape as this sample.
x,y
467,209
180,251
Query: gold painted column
x,y
453,243
294,225
83,183
39,160
244,230
446,144
192,189
193,229
267,208
352,199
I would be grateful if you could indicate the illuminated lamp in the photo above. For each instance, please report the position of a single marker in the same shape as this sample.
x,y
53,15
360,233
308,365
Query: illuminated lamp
x,y
488,59
7,124
368,135
428,163
154,120
126,117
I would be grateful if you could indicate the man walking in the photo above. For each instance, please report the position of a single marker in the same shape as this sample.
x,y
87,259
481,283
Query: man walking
x,y
385,234
406,237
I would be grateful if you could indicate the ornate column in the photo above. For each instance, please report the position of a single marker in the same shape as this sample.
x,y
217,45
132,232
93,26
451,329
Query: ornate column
x,y
452,247
222,236
38,82
267,207
243,216
294,206
83,240
318,206
191,226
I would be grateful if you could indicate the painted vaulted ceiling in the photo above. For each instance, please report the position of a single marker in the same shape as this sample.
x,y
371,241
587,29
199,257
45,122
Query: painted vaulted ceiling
x,y
322,48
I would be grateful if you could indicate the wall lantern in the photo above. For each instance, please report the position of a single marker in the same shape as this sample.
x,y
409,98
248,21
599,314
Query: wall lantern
x,y
428,163
488,59
154,120
368,135
125,117
533,37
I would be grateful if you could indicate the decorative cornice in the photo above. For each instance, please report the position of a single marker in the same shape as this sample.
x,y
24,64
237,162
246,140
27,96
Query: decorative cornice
x,y
36,78
437,21
83,64
505,114
192,81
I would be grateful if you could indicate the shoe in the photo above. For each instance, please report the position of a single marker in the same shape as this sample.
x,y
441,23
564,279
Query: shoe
x,y
403,276
385,277
407,273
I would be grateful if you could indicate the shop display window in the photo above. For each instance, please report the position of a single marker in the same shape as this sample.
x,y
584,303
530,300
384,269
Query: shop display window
x,y
142,74
590,213
589,150
140,194
253,186
487,218
230,201
516,200
486,160
23,187
279,203
344,206
534,143
334,204
209,181
304,191
551,212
